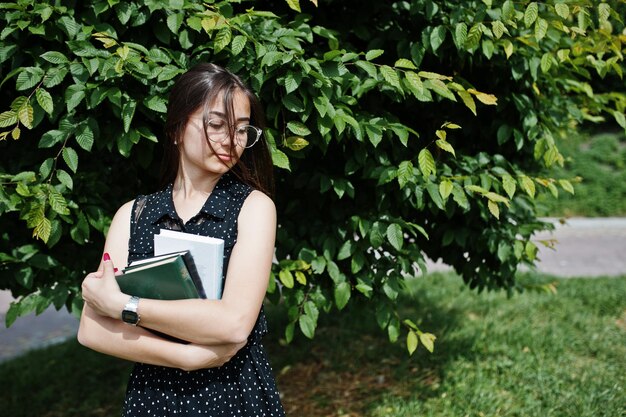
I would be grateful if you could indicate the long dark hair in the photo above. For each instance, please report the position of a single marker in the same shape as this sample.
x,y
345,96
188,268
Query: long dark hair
x,y
199,88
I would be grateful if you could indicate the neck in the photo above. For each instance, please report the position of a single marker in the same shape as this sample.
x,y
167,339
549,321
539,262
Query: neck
x,y
190,187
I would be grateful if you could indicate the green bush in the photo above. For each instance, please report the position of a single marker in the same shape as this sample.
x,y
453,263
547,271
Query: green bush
x,y
399,130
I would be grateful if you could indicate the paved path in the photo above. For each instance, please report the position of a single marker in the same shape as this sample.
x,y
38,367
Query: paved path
x,y
586,247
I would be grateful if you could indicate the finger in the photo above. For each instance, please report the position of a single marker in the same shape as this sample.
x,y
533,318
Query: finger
x,y
107,264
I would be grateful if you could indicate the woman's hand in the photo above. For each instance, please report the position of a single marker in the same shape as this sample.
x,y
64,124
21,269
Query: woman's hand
x,y
196,356
102,293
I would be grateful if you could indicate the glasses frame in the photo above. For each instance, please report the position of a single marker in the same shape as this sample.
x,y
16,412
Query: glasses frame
x,y
235,128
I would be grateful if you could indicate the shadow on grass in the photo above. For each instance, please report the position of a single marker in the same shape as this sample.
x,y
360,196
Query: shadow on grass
x,y
351,364
65,380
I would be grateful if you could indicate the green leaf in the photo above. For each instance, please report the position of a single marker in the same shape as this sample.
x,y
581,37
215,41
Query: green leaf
x,y
342,294
428,340
405,63
128,111
51,138
440,88
296,143
368,67
620,118
604,12
527,185
473,37
460,35
174,21
373,54
237,45
46,168
433,192
307,326
546,62
445,188
562,9
531,14
45,100
345,251
54,77
69,26
71,158
12,313
493,209
391,76
411,341
426,162
222,39
28,78
442,144
280,160
459,196
65,178
437,36
509,185
55,57
298,128
25,114
74,94
156,103
8,118
395,236
294,5
42,229
541,28
405,173
286,277
57,201
374,134
567,186
84,136
393,330
498,29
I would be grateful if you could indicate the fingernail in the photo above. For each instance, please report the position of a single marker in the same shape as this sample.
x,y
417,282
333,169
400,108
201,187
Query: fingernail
x,y
114,269
106,257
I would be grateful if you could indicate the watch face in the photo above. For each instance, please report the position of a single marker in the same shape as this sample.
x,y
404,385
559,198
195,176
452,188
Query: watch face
x,y
130,317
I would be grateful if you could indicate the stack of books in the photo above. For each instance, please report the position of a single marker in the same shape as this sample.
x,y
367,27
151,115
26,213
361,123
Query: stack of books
x,y
183,266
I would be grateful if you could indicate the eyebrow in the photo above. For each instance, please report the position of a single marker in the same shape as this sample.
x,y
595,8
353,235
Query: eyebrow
x,y
219,113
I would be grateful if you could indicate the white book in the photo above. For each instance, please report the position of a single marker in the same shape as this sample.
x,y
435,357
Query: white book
x,y
207,253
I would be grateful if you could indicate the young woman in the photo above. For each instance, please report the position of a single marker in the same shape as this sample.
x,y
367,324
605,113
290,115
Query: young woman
x,y
217,171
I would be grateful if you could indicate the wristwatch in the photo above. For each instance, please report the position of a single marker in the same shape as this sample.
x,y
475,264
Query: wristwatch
x,y
129,314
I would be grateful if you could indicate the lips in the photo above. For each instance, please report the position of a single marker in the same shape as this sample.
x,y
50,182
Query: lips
x,y
224,157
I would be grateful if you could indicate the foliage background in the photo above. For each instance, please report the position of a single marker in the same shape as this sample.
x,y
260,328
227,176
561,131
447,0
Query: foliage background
x,y
398,129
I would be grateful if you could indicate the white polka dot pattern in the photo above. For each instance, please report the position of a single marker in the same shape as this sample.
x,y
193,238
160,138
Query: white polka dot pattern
x,y
245,385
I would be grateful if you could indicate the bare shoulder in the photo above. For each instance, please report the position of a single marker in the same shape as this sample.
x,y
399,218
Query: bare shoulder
x,y
257,206
123,213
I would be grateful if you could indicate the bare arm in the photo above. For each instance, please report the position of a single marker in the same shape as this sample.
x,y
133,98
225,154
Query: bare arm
x,y
230,319
111,336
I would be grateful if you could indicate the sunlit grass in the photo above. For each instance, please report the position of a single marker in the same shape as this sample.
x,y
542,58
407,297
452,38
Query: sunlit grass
x,y
535,354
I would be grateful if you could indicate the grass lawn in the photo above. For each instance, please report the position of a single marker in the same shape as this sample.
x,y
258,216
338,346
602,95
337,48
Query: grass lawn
x,y
600,160
535,354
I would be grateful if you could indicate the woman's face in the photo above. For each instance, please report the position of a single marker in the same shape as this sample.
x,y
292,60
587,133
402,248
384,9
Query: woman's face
x,y
196,155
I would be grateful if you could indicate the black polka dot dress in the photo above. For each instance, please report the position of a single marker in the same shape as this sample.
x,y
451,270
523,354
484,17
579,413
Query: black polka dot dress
x,y
245,385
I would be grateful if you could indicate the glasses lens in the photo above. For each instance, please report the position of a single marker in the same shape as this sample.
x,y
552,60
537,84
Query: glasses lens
x,y
217,129
245,136
250,137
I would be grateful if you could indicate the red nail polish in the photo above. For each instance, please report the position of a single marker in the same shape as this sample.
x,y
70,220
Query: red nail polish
x,y
106,257
115,269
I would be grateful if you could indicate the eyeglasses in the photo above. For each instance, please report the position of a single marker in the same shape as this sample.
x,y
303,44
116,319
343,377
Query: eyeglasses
x,y
245,135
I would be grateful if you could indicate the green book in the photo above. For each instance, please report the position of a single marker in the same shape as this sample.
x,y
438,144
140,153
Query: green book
x,y
166,277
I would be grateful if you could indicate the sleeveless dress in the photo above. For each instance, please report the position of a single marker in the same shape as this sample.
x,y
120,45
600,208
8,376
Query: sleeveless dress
x,y
245,385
